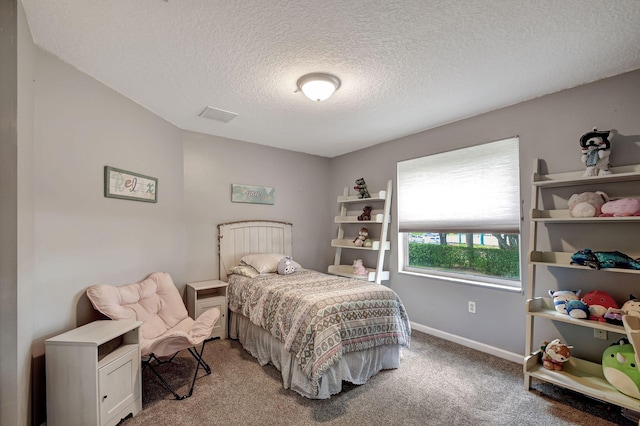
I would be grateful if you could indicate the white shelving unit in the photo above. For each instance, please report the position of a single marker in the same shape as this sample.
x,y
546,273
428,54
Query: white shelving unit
x,y
578,375
379,217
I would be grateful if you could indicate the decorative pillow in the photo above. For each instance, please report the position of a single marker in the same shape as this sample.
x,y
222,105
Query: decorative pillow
x,y
265,262
246,270
286,266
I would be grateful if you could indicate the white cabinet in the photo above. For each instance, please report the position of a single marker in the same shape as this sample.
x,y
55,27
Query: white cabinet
x,y
203,295
380,202
93,374
578,375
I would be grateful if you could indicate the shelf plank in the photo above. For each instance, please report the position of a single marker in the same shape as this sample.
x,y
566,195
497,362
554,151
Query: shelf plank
x,y
581,376
543,307
562,216
619,174
347,271
375,196
375,218
375,245
563,260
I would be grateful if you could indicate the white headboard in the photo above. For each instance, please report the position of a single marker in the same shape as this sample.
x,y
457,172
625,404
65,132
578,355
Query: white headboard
x,y
237,239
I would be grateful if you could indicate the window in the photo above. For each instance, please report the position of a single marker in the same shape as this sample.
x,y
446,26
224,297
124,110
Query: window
x,y
459,215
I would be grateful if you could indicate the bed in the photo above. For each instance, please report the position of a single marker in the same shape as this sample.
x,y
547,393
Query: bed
x,y
317,329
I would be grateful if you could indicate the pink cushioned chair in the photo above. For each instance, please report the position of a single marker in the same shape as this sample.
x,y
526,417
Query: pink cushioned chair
x,y
166,326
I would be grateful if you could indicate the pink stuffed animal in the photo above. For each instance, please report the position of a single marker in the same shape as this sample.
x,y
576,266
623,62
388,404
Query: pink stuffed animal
x,y
358,267
621,207
587,204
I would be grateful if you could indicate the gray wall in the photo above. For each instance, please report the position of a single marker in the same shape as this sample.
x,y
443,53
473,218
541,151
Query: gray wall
x,y
212,164
9,401
549,128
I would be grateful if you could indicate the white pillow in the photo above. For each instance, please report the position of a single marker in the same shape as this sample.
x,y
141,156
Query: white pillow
x,y
265,262
246,270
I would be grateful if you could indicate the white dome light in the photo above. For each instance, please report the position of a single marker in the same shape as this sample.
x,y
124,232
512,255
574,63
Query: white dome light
x,y
318,86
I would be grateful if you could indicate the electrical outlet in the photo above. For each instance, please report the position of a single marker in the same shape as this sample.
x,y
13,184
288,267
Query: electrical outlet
x,y
600,334
472,307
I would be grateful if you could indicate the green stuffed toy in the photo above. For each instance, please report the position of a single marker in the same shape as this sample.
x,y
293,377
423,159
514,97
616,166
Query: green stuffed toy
x,y
620,369
361,187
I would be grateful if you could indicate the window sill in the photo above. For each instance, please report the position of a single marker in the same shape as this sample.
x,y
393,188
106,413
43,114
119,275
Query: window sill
x,y
471,282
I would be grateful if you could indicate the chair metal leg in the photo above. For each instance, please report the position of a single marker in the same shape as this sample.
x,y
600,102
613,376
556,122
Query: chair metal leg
x,y
200,362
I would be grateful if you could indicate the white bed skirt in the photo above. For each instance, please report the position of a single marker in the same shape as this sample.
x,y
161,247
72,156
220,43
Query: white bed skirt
x,y
353,367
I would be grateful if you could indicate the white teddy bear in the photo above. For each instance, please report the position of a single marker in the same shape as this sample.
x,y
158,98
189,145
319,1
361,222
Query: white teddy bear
x,y
595,152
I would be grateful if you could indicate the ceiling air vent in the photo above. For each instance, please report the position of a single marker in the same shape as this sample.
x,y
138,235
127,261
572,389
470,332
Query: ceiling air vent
x,y
218,114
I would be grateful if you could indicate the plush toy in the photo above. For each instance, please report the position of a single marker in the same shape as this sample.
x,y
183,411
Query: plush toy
x,y
620,369
599,303
361,187
554,354
621,207
362,237
587,204
366,213
285,266
614,316
604,259
577,309
632,306
561,297
595,152
358,268
368,243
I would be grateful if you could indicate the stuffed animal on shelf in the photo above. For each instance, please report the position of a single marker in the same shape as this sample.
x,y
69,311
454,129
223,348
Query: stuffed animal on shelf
x,y
561,297
363,234
599,303
554,354
621,207
577,309
361,187
366,213
595,152
358,268
619,368
604,259
632,306
285,266
587,204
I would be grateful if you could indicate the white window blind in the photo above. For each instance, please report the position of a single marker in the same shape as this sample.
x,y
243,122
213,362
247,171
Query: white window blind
x,y
468,190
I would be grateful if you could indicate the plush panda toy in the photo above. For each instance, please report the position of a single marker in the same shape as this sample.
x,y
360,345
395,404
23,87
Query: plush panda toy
x,y
285,266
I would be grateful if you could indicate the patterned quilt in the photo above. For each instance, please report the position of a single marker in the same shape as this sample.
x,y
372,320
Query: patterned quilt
x,y
318,317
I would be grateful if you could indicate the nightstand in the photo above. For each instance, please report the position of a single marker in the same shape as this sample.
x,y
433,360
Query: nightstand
x,y
93,374
203,295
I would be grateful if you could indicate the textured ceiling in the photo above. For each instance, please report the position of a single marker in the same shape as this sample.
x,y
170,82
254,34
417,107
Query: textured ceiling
x,y
405,65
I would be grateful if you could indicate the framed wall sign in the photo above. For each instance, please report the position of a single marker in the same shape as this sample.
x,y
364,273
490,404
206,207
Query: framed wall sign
x,y
127,185
252,194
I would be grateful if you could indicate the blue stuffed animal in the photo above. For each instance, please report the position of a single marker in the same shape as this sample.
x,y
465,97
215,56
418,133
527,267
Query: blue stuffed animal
x,y
577,309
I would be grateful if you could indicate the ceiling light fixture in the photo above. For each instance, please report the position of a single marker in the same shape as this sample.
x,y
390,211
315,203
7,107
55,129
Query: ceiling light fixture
x,y
318,86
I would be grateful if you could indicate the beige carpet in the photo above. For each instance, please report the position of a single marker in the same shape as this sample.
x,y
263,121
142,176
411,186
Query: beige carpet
x,y
438,383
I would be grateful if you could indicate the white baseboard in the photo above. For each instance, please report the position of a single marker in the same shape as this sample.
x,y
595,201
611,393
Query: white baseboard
x,y
482,347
